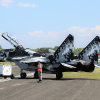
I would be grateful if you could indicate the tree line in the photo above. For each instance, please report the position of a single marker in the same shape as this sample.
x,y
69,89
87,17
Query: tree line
x,y
45,49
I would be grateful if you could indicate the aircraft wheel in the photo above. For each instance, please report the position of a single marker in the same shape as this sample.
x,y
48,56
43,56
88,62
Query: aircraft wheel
x,y
36,74
79,67
12,76
59,75
5,77
23,75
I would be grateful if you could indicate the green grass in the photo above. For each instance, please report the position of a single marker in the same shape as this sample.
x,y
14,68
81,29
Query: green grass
x,y
92,75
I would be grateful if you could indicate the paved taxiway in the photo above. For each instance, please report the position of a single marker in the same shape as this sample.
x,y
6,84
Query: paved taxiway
x,y
49,89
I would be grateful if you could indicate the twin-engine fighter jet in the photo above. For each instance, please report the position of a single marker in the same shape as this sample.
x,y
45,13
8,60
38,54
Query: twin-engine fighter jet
x,y
62,59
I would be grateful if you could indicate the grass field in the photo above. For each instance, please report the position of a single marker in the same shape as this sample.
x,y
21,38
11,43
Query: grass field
x,y
93,75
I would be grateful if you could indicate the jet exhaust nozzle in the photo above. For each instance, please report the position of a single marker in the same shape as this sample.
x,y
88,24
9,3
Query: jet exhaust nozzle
x,y
88,68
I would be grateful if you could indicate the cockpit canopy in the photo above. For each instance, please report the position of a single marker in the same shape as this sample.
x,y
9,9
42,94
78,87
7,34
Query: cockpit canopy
x,y
11,39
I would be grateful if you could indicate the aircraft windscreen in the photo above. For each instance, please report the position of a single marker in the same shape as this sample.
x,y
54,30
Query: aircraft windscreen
x,y
5,35
11,39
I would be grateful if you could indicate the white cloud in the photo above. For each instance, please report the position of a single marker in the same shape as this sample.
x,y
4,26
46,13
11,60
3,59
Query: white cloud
x,y
35,32
74,29
85,31
97,28
6,3
82,36
37,39
53,34
28,5
82,30
78,30
50,34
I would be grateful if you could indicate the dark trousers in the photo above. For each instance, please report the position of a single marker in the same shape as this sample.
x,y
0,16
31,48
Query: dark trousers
x,y
40,75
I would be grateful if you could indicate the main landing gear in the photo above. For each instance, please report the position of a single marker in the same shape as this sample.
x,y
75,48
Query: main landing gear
x,y
36,74
23,74
59,75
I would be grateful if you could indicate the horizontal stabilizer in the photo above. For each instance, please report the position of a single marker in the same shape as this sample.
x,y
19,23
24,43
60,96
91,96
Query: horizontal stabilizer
x,y
51,51
97,65
66,65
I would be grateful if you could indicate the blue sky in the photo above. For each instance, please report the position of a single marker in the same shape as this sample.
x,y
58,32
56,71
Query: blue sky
x,y
46,23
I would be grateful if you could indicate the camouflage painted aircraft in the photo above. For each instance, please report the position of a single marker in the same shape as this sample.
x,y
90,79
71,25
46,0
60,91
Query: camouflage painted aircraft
x,y
62,60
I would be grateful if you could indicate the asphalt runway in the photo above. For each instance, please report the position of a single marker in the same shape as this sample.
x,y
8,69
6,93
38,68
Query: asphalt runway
x,y
49,89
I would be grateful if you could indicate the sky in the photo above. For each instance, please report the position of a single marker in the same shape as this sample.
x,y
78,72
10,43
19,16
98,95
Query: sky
x,y
46,23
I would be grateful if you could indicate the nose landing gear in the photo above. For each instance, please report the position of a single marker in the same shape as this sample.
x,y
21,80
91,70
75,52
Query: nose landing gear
x,y
23,74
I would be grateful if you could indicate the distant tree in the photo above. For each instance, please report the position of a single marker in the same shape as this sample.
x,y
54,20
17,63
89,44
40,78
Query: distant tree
x,y
77,51
0,47
55,48
44,49
27,48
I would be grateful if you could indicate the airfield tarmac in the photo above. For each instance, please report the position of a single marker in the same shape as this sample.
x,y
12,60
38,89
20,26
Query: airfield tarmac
x,y
49,89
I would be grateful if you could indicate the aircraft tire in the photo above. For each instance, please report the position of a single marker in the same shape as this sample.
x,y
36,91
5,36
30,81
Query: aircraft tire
x,y
36,74
79,66
5,77
59,75
12,76
23,75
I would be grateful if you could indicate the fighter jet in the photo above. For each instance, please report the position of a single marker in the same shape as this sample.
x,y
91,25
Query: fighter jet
x,y
89,56
87,59
61,61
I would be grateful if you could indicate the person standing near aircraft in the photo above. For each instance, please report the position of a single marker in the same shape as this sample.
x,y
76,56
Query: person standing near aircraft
x,y
39,67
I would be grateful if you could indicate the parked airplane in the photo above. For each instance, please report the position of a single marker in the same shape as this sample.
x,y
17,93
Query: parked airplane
x,y
61,61
87,59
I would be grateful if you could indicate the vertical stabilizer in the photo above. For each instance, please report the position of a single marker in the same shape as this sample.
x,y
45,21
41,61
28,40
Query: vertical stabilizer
x,y
91,51
65,51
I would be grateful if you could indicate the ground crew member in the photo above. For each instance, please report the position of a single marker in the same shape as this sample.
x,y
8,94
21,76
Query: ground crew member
x,y
39,67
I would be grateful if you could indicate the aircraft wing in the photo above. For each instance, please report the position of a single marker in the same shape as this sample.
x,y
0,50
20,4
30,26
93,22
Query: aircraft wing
x,y
97,65
42,60
18,58
67,65
51,51
35,59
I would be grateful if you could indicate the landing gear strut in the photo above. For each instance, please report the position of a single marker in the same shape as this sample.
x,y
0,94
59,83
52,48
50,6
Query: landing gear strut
x,y
23,74
59,75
